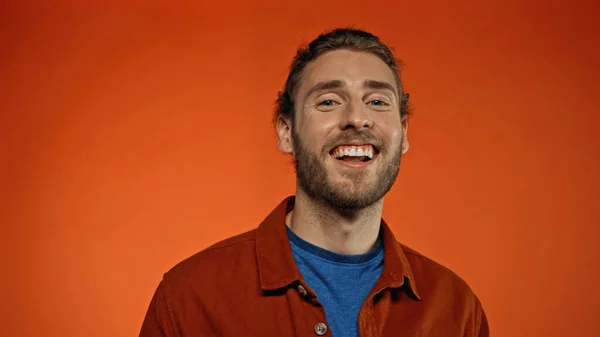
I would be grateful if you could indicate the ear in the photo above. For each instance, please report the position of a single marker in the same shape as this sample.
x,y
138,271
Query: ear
x,y
404,134
284,135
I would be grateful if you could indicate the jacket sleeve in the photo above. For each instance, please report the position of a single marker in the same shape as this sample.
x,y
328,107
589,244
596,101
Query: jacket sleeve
x,y
159,317
484,330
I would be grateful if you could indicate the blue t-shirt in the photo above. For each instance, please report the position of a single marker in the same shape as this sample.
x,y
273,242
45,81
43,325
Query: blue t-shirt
x,y
342,282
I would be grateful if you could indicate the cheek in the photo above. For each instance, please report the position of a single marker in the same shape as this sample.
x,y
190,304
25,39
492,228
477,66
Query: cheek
x,y
397,135
315,130
392,131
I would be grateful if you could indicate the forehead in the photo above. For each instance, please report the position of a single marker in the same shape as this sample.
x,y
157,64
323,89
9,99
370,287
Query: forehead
x,y
351,67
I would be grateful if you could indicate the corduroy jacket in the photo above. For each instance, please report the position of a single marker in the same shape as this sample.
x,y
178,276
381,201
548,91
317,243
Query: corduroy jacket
x,y
249,285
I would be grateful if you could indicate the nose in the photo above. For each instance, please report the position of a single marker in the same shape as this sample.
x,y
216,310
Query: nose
x,y
356,116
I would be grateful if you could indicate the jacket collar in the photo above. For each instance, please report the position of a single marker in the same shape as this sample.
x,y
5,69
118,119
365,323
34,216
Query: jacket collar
x,y
277,268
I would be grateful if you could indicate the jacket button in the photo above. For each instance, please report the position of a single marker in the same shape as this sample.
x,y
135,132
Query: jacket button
x,y
302,290
321,329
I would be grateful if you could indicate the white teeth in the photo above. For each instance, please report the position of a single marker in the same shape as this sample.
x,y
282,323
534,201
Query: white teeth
x,y
353,151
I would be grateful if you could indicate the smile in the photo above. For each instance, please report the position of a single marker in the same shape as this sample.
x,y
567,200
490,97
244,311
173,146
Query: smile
x,y
355,153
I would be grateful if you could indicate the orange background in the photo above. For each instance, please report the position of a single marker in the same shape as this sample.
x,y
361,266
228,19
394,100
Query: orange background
x,y
134,135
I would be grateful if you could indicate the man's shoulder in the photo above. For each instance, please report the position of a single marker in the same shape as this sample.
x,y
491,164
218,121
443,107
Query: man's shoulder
x,y
433,277
215,261
421,262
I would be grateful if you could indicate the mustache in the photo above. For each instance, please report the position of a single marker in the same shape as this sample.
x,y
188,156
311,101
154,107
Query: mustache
x,y
367,137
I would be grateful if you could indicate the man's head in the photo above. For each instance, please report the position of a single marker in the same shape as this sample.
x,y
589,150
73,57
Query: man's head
x,y
342,114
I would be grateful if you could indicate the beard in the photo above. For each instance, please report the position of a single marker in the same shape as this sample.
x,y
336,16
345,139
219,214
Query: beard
x,y
312,176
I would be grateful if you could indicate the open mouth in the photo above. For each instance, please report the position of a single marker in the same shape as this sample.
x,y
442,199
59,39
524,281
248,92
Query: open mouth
x,y
355,153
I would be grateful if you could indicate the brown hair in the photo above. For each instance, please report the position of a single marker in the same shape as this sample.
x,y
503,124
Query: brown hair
x,y
341,38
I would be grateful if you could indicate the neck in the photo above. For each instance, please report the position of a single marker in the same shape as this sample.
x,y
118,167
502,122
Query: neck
x,y
342,232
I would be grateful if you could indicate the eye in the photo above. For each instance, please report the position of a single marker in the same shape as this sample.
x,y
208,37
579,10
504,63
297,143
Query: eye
x,y
327,103
377,102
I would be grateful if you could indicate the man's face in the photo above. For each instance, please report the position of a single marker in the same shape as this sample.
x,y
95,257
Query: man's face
x,y
347,137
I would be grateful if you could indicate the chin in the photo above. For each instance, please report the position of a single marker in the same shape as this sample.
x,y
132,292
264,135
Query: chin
x,y
355,182
351,202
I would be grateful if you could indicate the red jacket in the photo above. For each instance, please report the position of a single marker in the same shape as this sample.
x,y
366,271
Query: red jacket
x,y
249,285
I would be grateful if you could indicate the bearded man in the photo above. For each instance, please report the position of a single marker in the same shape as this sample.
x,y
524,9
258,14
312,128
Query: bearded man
x,y
324,262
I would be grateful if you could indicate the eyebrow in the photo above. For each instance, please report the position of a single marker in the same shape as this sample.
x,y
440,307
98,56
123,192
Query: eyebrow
x,y
337,84
372,84
322,86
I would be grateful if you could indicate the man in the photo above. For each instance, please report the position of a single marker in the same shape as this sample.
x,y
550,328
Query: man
x,y
324,263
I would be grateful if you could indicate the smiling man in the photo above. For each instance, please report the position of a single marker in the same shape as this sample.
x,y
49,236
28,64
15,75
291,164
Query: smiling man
x,y
324,263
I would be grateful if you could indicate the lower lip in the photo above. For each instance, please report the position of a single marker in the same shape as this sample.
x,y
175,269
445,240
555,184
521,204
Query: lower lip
x,y
356,164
